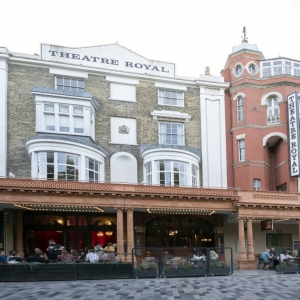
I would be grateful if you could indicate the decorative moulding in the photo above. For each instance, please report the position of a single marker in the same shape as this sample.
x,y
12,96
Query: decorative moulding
x,y
66,72
170,86
124,80
170,114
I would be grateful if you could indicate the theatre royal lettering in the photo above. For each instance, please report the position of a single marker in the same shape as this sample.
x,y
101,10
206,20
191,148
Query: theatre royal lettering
x,y
109,57
293,120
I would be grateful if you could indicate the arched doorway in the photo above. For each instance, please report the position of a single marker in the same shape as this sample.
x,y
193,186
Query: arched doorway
x,y
179,231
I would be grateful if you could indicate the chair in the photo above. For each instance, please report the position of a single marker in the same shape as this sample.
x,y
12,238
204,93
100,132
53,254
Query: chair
x,y
261,261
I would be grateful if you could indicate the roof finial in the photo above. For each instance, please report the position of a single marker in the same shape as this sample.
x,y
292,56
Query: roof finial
x,y
244,37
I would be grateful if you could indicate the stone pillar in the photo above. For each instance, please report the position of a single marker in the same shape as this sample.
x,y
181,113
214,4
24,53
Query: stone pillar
x,y
130,232
242,253
120,234
19,233
298,234
251,255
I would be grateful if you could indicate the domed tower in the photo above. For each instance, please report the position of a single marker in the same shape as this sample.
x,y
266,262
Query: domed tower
x,y
256,119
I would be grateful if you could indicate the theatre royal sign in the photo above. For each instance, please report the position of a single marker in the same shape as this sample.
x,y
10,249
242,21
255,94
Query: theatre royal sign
x,y
293,119
109,57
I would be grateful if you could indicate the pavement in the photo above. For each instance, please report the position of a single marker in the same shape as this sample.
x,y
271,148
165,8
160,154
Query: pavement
x,y
254,285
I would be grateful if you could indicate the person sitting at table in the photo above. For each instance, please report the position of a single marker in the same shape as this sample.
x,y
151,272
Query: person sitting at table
x,y
65,256
266,256
273,252
284,256
109,252
213,255
91,256
39,256
15,257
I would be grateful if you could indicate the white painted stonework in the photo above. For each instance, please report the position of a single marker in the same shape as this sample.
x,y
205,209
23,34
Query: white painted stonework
x,y
3,117
213,140
123,131
123,168
46,145
112,57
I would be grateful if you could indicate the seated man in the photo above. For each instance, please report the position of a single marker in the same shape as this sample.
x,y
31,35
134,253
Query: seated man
x,y
285,257
266,256
2,256
109,252
91,256
65,256
39,256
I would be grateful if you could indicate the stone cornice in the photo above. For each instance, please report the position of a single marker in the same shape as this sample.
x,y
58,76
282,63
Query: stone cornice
x,y
109,190
258,126
261,85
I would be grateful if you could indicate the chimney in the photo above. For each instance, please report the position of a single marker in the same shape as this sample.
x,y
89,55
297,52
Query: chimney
x,y
207,71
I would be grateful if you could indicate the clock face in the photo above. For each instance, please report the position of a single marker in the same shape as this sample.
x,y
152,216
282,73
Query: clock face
x,y
251,69
238,70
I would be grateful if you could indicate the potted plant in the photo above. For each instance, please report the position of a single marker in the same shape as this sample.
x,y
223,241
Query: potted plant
x,y
195,269
149,271
219,268
288,267
174,270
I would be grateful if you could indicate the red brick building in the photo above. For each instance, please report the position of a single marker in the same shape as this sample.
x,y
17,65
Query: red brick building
x,y
256,123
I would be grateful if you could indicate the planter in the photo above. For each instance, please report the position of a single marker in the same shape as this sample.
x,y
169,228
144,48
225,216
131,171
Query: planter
x,y
195,272
4,273
174,272
86,271
145,273
40,272
220,271
288,269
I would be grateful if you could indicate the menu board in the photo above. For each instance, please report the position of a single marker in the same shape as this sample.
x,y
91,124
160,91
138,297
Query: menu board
x,y
138,245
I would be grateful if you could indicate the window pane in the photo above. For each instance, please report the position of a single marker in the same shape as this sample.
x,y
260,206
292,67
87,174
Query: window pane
x,y
59,80
67,81
49,107
64,123
64,108
74,82
78,124
50,122
77,110
50,157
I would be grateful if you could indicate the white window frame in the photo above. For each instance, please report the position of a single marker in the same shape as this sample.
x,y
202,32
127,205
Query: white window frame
x,y
273,116
153,156
241,150
163,97
164,136
256,184
95,170
59,113
70,84
173,169
57,165
240,109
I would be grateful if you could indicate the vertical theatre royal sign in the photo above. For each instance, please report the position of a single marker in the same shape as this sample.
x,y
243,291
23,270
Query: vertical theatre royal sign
x,y
293,120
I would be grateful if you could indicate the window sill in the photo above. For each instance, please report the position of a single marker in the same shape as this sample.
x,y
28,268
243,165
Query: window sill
x,y
115,143
123,100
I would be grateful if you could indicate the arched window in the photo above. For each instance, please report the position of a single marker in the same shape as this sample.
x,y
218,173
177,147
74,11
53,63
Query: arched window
x,y
273,114
240,109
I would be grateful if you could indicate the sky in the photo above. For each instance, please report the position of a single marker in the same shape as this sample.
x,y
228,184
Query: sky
x,y
192,34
